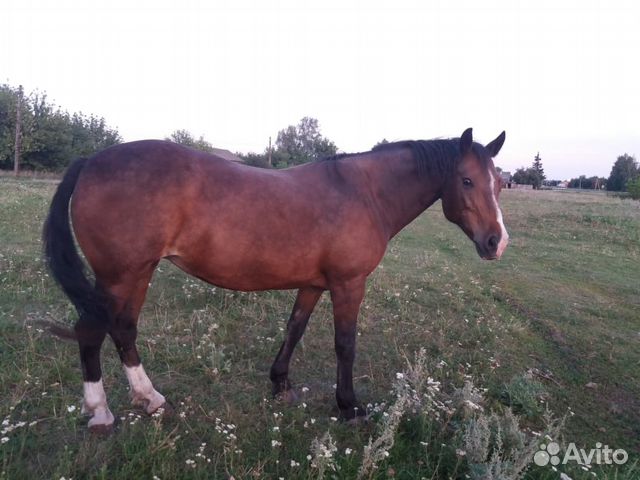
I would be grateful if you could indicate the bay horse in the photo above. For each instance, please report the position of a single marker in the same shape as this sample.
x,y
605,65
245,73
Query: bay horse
x,y
324,225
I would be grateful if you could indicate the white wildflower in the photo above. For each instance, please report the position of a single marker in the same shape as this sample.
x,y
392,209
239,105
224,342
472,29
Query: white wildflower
x,y
472,406
322,451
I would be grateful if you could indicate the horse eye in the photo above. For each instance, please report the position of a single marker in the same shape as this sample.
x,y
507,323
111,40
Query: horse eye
x,y
467,182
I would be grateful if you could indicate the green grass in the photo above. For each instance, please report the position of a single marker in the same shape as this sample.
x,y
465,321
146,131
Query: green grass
x,y
559,311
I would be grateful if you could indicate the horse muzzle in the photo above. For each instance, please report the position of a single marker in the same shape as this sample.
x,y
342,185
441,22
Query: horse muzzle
x,y
492,246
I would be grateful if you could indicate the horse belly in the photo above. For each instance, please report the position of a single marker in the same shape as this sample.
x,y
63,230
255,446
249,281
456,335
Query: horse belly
x,y
248,274
227,259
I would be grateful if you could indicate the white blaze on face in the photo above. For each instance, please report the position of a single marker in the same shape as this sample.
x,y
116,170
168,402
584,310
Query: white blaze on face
x,y
95,404
504,236
142,391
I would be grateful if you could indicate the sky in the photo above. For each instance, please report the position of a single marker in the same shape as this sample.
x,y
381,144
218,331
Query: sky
x,y
561,77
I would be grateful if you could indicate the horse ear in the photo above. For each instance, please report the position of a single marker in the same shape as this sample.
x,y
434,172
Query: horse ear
x,y
494,147
466,140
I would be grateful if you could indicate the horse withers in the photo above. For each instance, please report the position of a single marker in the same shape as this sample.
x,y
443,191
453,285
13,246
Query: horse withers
x,y
320,226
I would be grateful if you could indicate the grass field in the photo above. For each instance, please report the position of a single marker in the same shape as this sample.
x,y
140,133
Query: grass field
x,y
550,331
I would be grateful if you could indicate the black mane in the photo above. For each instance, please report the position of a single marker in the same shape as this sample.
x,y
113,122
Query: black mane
x,y
433,157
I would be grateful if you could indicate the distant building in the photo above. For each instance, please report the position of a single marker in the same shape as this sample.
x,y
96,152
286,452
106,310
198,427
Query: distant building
x,y
506,179
226,154
563,184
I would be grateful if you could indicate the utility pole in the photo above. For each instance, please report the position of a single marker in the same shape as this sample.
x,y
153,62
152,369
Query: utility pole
x,y
18,144
269,151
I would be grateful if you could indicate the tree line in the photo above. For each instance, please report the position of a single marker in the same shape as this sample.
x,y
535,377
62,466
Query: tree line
x,y
534,175
294,145
624,177
47,137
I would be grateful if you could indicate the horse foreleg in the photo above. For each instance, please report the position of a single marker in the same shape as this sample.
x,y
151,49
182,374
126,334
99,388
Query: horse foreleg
x,y
302,308
346,298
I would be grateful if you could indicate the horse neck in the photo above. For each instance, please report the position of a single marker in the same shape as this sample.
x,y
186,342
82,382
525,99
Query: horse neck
x,y
398,193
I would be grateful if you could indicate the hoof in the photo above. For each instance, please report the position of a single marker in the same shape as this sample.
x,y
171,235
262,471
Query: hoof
x,y
290,397
357,421
101,430
150,402
101,421
354,416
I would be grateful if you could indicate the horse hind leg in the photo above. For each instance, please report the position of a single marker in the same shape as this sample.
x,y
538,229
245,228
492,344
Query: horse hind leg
x,y
130,294
90,333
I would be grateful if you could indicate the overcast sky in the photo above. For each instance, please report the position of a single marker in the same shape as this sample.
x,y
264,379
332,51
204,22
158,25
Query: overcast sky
x,y
561,77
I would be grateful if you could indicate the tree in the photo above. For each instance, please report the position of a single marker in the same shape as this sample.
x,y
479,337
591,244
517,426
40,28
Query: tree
x,y
255,159
537,168
527,176
633,187
91,134
295,144
301,143
50,137
384,141
625,169
522,176
8,115
184,137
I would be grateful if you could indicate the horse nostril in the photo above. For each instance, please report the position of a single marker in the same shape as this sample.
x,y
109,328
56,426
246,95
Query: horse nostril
x,y
492,242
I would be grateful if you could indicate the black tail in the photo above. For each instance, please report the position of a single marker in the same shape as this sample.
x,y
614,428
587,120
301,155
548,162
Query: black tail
x,y
63,260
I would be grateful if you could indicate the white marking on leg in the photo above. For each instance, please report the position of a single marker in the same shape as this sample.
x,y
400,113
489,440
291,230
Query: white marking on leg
x,y
504,236
142,391
95,404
